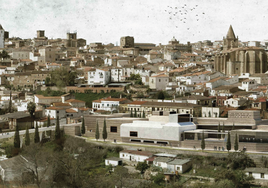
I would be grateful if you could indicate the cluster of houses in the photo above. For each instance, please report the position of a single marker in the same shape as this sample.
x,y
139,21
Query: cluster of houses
x,y
168,162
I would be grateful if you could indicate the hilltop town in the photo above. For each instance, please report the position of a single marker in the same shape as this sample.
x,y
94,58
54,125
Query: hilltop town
x,y
163,107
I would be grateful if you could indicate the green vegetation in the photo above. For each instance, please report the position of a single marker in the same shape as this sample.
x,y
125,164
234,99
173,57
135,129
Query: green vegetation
x,y
83,128
104,131
62,77
49,92
31,109
203,145
142,166
4,54
27,137
48,121
236,143
131,113
135,113
17,138
36,134
219,130
97,133
228,143
57,129
89,97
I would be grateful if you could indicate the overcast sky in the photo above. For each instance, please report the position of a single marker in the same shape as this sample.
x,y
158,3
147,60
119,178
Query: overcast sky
x,y
152,21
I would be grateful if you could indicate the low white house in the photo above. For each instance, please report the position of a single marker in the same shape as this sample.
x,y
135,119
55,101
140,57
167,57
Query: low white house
x,y
114,161
179,165
108,104
257,173
234,102
162,161
134,155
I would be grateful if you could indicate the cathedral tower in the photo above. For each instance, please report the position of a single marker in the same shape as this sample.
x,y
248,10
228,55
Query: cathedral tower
x,y
230,41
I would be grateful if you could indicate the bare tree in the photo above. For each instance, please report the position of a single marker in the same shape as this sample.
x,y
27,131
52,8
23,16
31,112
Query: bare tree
x,y
38,163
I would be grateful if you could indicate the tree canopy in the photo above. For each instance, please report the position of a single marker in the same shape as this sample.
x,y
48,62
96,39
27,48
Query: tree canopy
x,y
62,77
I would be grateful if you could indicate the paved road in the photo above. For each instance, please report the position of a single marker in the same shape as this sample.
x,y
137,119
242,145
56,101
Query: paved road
x,y
42,129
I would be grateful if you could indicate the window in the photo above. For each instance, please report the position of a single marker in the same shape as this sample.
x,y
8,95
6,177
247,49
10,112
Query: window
x,y
159,80
113,129
133,133
262,175
178,168
57,111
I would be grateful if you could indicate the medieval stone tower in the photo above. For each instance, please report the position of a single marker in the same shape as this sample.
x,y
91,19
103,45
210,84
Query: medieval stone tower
x,y
2,37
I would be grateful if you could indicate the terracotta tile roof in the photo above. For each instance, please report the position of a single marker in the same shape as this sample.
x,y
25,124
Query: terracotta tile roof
x,y
83,109
54,108
215,79
261,99
60,104
111,99
43,97
137,102
70,110
160,75
74,101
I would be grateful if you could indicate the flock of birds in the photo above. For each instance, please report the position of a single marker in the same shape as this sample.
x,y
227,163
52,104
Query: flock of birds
x,y
183,14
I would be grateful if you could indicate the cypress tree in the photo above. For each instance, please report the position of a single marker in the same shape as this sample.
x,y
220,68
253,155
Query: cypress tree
x,y
203,145
131,113
10,102
228,144
36,134
43,139
27,137
233,127
209,114
236,143
83,129
143,114
135,112
48,121
223,136
104,131
57,129
17,138
219,130
97,133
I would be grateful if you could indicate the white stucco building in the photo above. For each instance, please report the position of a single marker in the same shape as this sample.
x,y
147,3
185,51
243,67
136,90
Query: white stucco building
x,y
114,161
248,84
257,173
134,155
99,77
108,104
156,132
158,82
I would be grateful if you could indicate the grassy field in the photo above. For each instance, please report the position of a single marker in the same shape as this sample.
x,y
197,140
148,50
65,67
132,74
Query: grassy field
x,y
89,97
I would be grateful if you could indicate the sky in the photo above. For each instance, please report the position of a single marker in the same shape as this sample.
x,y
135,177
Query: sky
x,y
148,21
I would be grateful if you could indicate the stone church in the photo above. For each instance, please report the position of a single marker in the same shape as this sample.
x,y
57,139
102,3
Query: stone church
x,y
237,60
